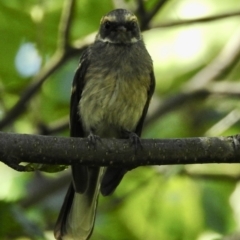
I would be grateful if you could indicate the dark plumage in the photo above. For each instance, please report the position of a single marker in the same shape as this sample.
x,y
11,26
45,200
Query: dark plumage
x,y
111,92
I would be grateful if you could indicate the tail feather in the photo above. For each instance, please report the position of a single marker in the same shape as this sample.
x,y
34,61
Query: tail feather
x,y
59,229
77,216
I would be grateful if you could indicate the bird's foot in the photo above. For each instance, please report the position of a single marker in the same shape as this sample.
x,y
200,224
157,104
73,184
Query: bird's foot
x,y
93,140
135,140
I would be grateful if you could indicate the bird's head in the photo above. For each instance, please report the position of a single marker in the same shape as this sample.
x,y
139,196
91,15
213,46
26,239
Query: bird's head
x,y
119,26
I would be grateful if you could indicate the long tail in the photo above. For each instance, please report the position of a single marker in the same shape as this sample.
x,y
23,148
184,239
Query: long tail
x,y
77,215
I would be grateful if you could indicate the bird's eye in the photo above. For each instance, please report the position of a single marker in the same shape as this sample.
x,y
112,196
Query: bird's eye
x,y
133,24
107,24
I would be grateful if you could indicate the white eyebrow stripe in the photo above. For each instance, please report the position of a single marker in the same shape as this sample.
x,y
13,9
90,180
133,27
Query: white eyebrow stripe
x,y
130,17
110,18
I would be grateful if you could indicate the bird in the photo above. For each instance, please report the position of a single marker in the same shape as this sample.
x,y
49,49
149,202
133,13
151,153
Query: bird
x,y
111,92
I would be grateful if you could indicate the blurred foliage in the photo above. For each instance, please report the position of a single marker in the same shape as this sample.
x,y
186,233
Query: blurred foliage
x,y
169,202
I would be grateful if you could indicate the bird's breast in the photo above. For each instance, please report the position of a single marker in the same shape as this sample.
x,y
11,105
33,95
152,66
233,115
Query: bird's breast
x,y
112,101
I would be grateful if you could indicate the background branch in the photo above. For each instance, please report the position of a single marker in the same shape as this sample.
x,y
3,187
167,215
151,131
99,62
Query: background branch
x,y
201,85
146,17
65,24
59,57
149,16
43,187
198,20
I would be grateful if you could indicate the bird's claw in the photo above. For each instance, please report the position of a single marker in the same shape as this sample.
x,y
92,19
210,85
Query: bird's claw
x,y
93,140
135,141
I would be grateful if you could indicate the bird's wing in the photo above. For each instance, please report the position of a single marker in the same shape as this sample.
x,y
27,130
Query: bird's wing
x,y
76,128
79,173
151,89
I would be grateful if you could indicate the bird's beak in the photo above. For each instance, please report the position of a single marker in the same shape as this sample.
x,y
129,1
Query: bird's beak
x,y
121,29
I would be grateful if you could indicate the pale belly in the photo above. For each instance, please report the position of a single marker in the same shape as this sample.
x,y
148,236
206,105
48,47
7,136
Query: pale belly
x,y
107,107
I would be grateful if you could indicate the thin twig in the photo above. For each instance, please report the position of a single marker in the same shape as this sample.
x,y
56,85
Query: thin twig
x,y
65,23
198,20
149,16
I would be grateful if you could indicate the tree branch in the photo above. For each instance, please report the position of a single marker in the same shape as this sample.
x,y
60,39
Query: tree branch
x,y
17,148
